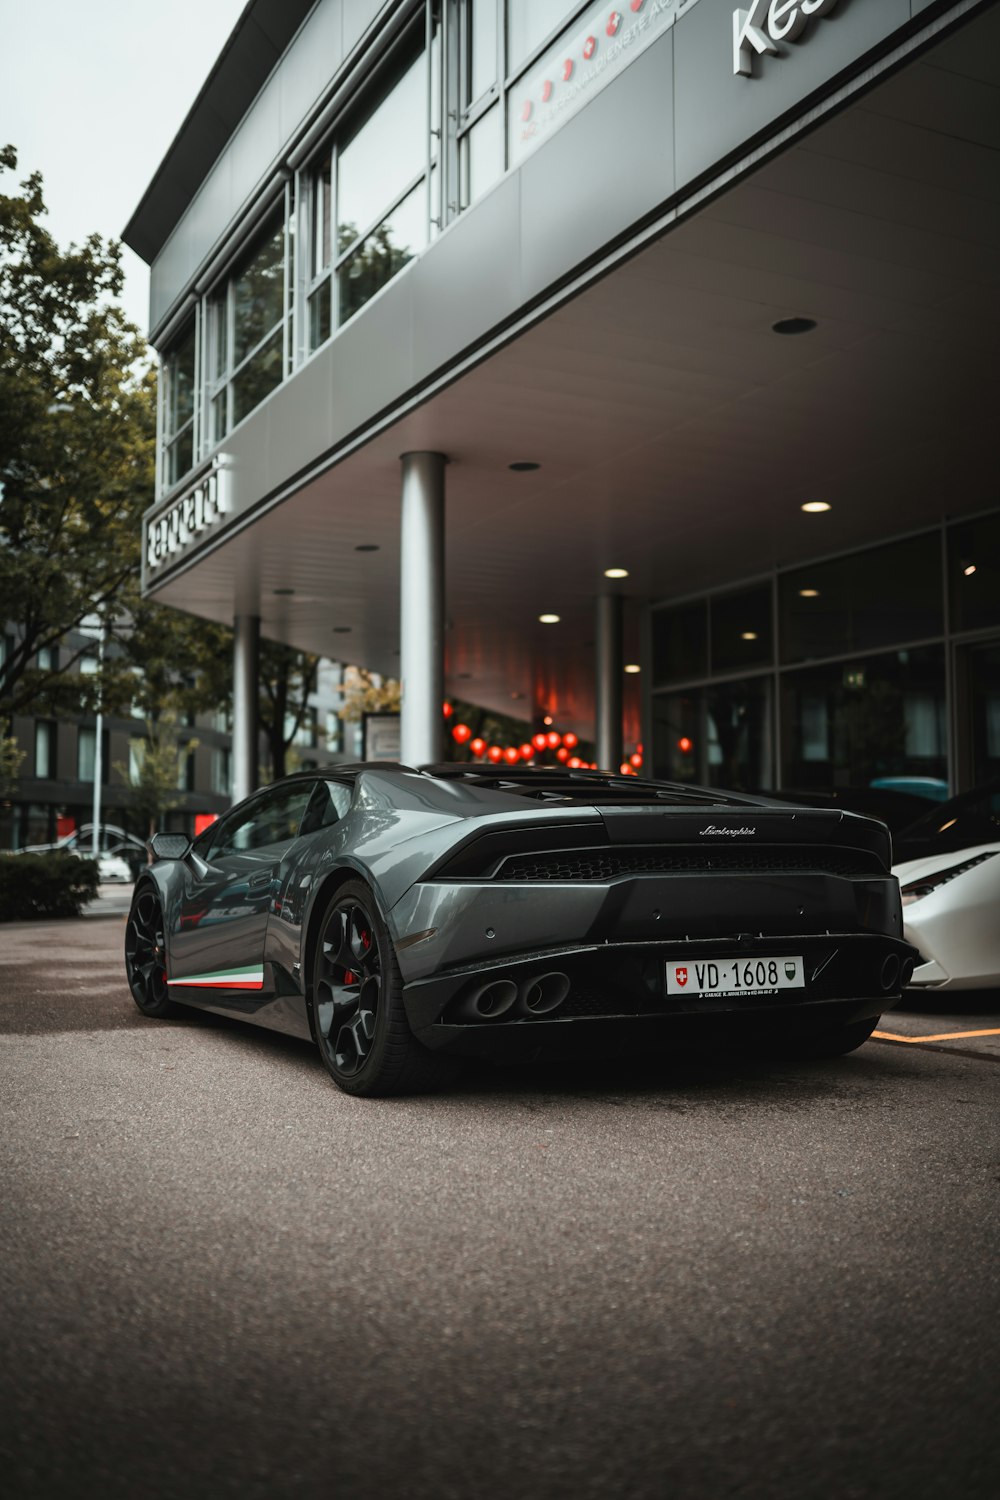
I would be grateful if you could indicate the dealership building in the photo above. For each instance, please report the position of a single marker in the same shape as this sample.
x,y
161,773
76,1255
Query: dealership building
x,y
630,368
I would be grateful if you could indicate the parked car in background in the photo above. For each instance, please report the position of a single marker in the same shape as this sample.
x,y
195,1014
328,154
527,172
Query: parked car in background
x,y
111,868
948,867
112,841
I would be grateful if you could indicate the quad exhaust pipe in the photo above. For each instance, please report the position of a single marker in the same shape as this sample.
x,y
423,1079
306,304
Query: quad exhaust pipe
x,y
543,994
539,995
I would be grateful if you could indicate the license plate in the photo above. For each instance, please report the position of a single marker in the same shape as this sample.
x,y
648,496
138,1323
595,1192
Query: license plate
x,y
734,976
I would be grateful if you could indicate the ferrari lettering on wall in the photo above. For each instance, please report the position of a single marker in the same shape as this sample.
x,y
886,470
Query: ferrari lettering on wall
x,y
186,518
769,23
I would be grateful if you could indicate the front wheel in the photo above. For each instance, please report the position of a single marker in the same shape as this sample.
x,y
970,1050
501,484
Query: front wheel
x,y
146,955
360,1025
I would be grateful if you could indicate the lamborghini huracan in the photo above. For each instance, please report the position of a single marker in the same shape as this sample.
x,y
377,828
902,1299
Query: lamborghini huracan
x,y
404,918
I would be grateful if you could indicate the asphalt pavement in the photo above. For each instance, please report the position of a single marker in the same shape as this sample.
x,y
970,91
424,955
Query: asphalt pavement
x,y
702,1278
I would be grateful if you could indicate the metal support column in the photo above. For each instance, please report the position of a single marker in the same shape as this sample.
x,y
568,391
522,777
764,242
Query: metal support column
x,y
246,654
421,608
608,686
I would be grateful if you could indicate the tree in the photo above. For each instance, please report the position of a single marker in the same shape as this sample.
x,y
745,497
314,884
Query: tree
x,y
154,784
77,461
286,678
77,434
10,762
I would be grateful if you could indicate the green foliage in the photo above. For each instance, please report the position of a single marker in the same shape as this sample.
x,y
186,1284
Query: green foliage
x,y
77,462
45,885
10,761
77,425
153,790
286,677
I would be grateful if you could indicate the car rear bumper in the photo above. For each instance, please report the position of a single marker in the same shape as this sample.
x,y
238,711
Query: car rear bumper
x,y
615,994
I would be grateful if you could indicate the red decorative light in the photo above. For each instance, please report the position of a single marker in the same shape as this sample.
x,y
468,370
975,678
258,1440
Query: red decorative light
x,y
626,769
477,746
684,745
512,755
447,710
635,760
574,763
540,741
571,740
562,753
552,739
461,734
494,753
638,749
527,751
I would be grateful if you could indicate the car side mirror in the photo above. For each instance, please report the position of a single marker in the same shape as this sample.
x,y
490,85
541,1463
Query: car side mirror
x,y
169,845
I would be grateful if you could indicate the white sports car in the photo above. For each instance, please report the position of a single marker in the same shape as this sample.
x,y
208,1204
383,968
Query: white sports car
x,y
948,867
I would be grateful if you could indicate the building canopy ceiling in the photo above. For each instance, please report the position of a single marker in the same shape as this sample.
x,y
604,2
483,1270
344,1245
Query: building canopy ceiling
x,y
677,434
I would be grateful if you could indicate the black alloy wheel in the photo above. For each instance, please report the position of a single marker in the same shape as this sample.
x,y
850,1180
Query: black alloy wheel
x,y
146,955
360,1025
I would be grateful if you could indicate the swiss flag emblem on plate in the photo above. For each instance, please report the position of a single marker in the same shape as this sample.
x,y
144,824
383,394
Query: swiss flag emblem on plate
x,y
681,976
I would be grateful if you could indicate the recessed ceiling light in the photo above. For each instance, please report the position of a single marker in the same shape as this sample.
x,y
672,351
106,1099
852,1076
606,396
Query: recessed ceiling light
x,y
367,547
616,572
815,507
523,466
547,720
633,667
968,569
794,325
748,635
549,619
808,593
517,695
282,591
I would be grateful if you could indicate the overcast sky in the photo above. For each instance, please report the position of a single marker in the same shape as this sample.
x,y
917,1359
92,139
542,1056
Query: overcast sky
x,y
92,92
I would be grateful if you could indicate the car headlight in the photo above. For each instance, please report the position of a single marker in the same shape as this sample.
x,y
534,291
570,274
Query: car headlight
x,y
916,890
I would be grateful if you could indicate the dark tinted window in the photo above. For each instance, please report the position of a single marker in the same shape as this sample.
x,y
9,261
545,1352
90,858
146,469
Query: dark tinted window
x,y
974,573
680,642
870,599
971,818
876,718
740,629
330,801
272,818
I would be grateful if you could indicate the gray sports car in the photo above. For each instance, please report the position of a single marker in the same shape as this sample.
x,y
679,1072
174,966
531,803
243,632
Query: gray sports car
x,y
404,918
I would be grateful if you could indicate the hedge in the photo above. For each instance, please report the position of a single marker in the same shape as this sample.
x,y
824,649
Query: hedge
x,y
45,885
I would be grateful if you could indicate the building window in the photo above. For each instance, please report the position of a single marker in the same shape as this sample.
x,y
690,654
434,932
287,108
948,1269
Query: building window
x,y
45,749
481,132
974,573
48,659
85,745
372,186
246,332
530,23
185,768
869,600
221,775
854,723
178,373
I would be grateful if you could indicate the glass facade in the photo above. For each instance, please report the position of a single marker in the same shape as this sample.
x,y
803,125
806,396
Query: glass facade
x,y
840,673
418,143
